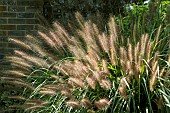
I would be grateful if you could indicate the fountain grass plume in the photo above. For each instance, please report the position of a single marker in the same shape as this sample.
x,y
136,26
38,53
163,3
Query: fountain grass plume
x,y
86,67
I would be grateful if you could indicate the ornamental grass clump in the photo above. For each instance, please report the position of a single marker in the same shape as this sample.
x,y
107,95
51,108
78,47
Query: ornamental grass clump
x,y
90,70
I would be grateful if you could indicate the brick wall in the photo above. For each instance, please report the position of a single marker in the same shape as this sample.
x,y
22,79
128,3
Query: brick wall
x,y
17,18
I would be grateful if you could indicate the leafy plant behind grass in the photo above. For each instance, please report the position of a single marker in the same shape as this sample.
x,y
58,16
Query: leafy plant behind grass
x,y
90,70
144,18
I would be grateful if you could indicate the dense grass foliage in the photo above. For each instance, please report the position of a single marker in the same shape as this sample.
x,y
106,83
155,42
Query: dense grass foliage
x,y
92,67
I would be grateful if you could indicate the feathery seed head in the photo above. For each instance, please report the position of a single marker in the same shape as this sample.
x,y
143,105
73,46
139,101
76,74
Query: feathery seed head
x,y
48,92
18,83
33,59
77,81
130,52
105,66
153,76
20,61
66,93
102,103
20,43
86,103
96,76
105,84
112,30
122,88
30,108
17,97
73,103
47,39
104,42
16,73
162,72
92,62
91,82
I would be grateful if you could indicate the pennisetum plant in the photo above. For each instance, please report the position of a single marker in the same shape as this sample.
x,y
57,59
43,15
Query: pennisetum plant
x,y
87,70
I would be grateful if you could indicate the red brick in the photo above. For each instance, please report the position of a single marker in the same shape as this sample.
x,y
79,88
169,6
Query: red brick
x,y
16,8
25,15
16,21
16,33
3,33
3,21
31,21
7,27
25,27
3,8
7,14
